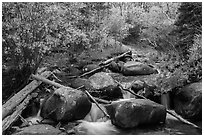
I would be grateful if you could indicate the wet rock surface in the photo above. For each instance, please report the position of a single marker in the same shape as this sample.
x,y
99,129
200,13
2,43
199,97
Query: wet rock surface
x,y
78,82
104,86
42,129
188,101
130,113
137,68
132,68
66,105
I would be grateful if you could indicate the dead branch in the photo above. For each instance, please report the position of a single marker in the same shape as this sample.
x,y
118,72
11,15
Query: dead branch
x,y
182,119
102,100
10,105
47,81
97,104
114,58
103,64
128,90
94,70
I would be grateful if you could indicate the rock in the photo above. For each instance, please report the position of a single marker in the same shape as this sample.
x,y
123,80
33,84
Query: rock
x,y
78,82
188,101
137,86
136,68
132,64
101,80
115,67
146,89
66,104
42,129
104,86
129,113
125,58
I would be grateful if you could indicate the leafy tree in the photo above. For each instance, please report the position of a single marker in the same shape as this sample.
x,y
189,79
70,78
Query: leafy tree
x,y
189,23
23,32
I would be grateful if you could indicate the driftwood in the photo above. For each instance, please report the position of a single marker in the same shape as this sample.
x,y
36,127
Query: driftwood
x,y
90,72
10,105
182,119
128,90
94,70
47,81
6,123
115,58
168,111
102,100
103,65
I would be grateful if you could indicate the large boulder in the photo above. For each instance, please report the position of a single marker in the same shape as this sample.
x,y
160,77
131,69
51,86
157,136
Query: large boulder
x,y
129,113
104,86
66,104
136,68
188,101
41,129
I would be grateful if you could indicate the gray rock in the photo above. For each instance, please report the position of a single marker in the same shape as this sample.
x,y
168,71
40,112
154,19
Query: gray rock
x,y
129,113
188,101
101,80
42,129
78,82
66,104
136,68
104,86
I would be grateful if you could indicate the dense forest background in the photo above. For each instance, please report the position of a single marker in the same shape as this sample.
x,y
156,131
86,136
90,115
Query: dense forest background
x,y
33,31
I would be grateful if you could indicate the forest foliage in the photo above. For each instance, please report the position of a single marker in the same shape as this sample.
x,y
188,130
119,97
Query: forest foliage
x,y
33,30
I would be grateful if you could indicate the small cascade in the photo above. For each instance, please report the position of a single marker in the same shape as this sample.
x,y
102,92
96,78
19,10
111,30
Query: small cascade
x,y
165,100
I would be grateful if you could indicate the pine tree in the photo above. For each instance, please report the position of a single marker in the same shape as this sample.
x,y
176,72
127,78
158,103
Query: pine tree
x,y
189,23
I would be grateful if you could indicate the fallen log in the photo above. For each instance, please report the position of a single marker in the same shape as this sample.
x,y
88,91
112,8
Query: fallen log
x,y
94,70
6,123
103,65
47,81
10,105
114,58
